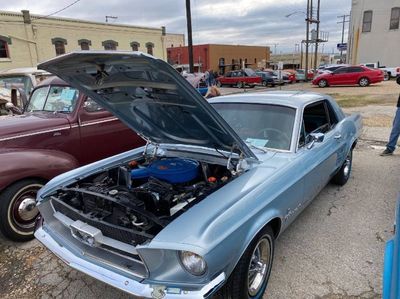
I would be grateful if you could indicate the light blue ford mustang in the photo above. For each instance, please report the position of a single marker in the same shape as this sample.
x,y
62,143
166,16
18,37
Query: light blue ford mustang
x,y
198,209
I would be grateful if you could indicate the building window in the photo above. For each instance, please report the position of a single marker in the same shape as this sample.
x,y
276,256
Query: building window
x,y
60,48
59,45
110,45
367,21
4,42
395,18
149,47
85,44
135,46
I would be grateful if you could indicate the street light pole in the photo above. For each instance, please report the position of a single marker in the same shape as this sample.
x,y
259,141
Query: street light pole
x,y
190,41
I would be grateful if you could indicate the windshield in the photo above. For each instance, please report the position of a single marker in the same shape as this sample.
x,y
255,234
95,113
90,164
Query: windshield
x,y
53,99
22,82
260,125
250,72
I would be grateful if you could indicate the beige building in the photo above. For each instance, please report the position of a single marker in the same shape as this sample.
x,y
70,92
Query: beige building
x,y
174,40
26,39
293,60
374,34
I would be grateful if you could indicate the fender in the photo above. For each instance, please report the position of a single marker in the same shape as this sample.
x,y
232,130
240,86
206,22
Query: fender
x,y
17,164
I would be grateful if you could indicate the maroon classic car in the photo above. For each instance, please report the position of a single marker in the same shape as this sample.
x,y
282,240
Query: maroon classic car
x,y
240,78
61,129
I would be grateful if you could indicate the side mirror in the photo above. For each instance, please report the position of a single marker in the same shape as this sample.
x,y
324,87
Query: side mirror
x,y
316,138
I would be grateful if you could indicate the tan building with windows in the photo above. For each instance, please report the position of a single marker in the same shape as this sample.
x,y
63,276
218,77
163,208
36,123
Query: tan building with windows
x,y
26,40
293,60
219,58
374,34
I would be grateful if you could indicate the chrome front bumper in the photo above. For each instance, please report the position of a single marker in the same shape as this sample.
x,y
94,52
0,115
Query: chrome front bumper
x,y
121,282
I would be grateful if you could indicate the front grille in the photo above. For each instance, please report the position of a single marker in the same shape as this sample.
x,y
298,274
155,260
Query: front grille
x,y
109,230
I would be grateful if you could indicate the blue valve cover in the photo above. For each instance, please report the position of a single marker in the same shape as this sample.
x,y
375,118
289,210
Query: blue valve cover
x,y
174,170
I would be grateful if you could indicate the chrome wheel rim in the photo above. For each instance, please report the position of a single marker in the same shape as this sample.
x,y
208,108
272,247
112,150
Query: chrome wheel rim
x,y
364,82
347,166
259,266
24,210
27,209
322,83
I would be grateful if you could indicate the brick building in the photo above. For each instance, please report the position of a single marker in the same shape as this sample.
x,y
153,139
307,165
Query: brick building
x,y
26,39
220,58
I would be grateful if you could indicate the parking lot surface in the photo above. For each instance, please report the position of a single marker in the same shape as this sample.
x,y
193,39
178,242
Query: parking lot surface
x,y
333,250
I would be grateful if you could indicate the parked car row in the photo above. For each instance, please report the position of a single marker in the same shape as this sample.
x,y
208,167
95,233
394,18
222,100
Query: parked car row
x,y
330,75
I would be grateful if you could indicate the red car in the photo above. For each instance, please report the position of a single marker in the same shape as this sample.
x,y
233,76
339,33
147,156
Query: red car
x,y
239,78
61,129
350,75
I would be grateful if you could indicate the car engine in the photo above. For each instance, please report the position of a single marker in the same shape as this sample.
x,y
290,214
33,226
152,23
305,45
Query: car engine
x,y
135,201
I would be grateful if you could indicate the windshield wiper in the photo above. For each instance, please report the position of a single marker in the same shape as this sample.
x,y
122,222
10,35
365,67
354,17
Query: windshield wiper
x,y
256,147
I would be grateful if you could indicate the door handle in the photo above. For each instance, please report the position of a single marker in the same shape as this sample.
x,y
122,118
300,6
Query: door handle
x,y
338,136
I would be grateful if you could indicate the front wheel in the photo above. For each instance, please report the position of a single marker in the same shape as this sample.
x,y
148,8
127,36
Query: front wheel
x,y
18,210
344,172
239,84
364,82
322,83
264,83
250,277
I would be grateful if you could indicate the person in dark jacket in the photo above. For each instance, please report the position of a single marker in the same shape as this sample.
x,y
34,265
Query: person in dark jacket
x,y
394,135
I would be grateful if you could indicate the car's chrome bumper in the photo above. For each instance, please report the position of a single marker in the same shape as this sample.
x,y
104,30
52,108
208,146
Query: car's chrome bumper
x,y
121,282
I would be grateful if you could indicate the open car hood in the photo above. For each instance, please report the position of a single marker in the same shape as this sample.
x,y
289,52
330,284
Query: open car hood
x,y
149,96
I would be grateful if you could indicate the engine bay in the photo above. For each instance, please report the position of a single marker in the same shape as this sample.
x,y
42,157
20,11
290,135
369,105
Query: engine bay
x,y
136,200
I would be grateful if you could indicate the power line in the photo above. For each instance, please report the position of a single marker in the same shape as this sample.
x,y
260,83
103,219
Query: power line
x,y
56,12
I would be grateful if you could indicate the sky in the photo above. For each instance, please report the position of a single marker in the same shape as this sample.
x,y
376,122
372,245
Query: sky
x,y
247,22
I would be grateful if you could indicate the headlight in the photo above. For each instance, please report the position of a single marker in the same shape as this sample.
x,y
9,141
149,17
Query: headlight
x,y
193,263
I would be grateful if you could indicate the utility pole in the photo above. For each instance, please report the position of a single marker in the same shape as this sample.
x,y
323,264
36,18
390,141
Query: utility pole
x,y
301,55
307,35
190,41
317,39
343,22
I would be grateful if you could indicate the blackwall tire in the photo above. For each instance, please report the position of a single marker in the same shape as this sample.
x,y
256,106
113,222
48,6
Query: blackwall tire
x,y
363,82
249,279
322,83
18,210
344,172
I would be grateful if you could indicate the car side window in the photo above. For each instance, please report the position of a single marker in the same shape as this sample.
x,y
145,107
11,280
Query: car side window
x,y
91,106
229,75
341,70
316,119
354,70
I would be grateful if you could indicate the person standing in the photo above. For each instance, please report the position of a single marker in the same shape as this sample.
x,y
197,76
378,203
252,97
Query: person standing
x,y
207,77
211,78
394,135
